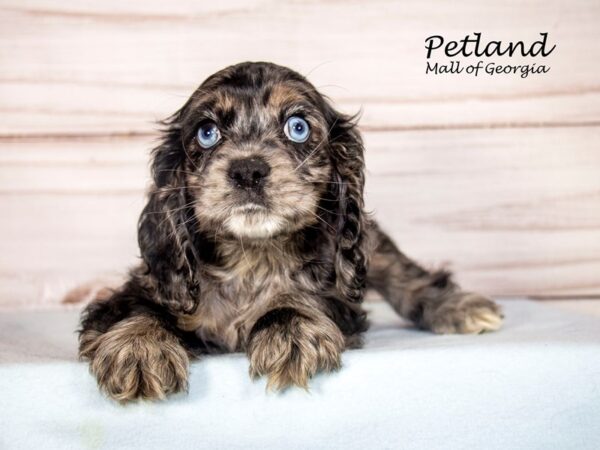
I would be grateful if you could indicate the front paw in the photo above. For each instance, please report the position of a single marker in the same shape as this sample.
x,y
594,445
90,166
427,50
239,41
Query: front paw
x,y
465,312
289,348
136,358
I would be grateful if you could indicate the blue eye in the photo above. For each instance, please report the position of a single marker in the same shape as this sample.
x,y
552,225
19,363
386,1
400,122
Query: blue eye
x,y
208,135
297,129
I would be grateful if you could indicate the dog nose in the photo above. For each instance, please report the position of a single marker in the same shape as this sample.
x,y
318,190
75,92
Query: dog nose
x,y
249,173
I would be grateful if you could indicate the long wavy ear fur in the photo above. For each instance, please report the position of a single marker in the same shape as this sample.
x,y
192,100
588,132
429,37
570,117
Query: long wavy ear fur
x,y
348,185
165,238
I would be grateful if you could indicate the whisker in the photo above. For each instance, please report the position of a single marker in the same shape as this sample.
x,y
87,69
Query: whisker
x,y
318,66
316,216
187,205
318,146
245,256
177,170
182,224
328,211
170,189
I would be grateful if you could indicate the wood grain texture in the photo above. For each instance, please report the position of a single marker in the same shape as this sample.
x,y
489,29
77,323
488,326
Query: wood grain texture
x,y
512,211
106,67
496,176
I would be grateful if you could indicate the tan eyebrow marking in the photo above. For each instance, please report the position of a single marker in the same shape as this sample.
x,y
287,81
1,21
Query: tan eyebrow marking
x,y
224,101
283,95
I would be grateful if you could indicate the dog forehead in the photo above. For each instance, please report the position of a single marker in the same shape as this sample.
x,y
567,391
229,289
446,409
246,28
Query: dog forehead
x,y
281,95
273,96
236,109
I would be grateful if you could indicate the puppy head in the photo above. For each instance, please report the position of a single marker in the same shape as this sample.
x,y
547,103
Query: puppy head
x,y
256,152
258,149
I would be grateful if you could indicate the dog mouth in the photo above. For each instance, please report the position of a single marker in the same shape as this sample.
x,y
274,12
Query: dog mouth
x,y
253,220
250,208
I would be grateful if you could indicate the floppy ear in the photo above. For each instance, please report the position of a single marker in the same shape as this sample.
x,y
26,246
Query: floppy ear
x,y
347,184
165,236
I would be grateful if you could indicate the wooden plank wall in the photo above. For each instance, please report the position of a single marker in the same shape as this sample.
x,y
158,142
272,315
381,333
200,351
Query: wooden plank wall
x,y
497,176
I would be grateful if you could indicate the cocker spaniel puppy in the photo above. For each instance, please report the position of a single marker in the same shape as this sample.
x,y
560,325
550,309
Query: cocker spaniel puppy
x,y
255,239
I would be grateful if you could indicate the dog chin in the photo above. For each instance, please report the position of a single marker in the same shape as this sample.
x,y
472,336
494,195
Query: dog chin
x,y
254,222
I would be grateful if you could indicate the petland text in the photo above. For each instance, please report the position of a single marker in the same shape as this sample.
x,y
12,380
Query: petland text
x,y
474,46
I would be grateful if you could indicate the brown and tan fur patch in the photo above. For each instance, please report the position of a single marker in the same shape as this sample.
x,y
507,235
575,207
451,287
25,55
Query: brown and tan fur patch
x,y
429,299
263,276
136,358
293,348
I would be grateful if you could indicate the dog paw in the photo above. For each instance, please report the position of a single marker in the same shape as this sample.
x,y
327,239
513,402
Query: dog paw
x,y
465,313
136,359
293,348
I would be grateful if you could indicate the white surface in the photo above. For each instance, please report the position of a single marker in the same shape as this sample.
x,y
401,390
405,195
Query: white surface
x,y
535,384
